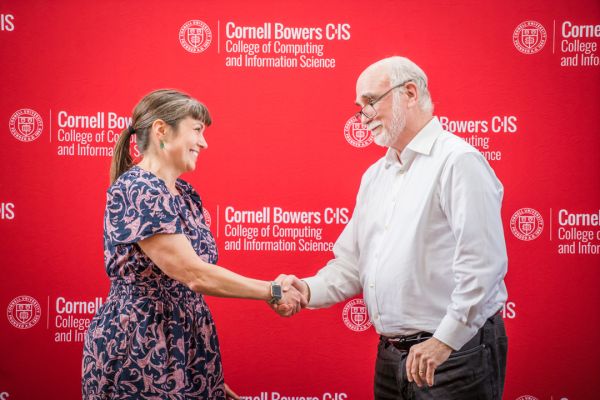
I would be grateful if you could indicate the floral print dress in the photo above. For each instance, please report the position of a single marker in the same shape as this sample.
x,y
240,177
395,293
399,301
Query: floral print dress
x,y
154,338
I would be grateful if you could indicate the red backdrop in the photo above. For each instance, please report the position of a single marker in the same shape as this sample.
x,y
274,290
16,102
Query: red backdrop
x,y
518,80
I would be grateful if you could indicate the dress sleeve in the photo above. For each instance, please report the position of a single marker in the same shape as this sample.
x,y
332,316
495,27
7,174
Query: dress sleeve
x,y
137,209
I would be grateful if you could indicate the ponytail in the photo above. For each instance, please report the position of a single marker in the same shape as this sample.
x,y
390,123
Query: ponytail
x,y
121,160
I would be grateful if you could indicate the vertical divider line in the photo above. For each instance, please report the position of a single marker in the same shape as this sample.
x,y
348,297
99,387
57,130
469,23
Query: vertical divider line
x,y
553,34
550,224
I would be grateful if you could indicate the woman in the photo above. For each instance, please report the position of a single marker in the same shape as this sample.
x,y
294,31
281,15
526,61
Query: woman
x,y
155,337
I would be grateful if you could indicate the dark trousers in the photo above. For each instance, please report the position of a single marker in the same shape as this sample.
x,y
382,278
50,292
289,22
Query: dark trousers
x,y
476,371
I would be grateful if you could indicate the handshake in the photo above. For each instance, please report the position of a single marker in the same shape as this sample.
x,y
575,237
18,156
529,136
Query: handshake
x,y
296,295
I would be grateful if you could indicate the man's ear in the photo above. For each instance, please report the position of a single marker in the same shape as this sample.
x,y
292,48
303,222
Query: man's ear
x,y
412,92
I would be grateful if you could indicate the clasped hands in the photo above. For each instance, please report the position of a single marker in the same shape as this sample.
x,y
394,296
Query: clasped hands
x,y
296,295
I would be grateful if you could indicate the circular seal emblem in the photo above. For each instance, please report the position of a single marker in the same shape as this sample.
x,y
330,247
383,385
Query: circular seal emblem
x,y
356,133
527,397
24,312
529,37
206,215
526,224
195,36
355,315
26,125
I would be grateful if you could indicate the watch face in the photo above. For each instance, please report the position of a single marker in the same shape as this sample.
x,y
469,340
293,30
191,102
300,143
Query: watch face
x,y
276,291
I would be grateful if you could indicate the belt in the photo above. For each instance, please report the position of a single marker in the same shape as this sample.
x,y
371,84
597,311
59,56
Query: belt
x,y
404,343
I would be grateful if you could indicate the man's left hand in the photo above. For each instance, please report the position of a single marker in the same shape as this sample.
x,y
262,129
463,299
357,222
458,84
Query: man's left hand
x,y
424,358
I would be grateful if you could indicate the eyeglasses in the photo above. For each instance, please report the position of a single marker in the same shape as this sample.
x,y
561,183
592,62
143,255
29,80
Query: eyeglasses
x,y
369,110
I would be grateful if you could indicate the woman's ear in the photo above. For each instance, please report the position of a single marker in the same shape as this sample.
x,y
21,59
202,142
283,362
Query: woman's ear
x,y
159,129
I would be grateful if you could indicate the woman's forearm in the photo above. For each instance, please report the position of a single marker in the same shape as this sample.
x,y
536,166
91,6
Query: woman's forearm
x,y
175,256
217,281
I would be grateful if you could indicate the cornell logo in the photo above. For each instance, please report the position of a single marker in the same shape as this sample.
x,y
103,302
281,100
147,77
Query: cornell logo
x,y
26,125
195,36
529,37
355,315
526,224
356,133
527,397
23,312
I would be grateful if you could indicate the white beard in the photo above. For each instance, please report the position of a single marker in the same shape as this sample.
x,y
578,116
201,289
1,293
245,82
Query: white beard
x,y
387,137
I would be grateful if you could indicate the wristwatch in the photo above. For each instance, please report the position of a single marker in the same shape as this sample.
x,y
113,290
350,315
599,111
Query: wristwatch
x,y
276,293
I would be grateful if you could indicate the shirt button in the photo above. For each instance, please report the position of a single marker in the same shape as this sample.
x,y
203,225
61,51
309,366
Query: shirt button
x,y
387,226
372,285
376,317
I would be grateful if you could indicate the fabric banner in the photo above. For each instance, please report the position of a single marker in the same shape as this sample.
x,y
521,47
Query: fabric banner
x,y
520,81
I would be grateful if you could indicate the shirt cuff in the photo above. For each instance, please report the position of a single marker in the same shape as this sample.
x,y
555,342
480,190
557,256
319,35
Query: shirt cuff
x,y
318,291
453,333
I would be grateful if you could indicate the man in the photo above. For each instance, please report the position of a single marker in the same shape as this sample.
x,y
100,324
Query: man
x,y
425,246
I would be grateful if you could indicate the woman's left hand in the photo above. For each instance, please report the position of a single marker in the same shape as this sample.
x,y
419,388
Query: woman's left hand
x,y
230,394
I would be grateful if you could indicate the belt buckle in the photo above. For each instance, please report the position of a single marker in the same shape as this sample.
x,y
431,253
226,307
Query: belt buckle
x,y
404,343
406,338
403,340
401,343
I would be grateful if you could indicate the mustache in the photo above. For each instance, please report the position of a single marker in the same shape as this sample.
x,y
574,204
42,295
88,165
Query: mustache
x,y
373,125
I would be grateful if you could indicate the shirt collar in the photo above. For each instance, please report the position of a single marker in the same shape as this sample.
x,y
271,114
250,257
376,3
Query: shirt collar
x,y
422,143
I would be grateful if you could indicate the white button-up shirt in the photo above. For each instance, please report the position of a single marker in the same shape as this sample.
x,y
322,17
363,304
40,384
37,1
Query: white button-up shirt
x,y
425,243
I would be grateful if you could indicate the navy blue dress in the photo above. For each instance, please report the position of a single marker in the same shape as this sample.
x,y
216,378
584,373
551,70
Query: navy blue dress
x,y
153,338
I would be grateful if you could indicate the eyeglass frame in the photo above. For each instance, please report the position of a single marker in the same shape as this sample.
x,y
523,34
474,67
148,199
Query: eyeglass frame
x,y
375,101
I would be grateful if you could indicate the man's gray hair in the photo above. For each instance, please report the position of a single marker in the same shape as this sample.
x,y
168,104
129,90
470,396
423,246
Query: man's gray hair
x,y
401,69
